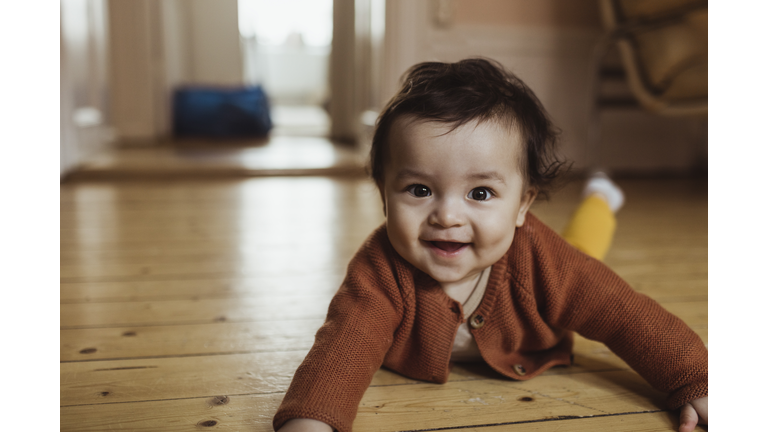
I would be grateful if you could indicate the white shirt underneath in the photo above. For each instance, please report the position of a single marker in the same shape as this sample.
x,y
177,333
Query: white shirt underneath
x,y
464,346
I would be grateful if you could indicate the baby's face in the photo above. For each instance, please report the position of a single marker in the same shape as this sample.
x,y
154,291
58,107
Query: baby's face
x,y
453,200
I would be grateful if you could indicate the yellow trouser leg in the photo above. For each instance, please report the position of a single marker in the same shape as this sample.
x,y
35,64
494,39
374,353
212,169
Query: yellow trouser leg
x,y
591,227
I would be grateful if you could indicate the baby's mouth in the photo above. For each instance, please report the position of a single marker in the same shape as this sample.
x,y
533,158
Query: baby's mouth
x,y
448,246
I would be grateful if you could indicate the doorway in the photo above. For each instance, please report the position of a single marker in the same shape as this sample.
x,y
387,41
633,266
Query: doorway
x,y
286,49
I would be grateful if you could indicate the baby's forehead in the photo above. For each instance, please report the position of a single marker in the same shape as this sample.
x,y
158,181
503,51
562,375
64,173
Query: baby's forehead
x,y
410,130
473,147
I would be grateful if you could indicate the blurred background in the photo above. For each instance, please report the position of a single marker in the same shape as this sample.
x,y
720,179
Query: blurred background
x,y
625,80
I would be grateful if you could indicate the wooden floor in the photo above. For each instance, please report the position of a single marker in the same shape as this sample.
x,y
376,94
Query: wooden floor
x,y
188,304
198,159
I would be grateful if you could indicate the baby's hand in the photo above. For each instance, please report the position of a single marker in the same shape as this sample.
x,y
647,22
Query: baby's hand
x,y
305,425
693,413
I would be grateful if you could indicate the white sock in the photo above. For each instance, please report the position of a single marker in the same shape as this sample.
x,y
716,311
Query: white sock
x,y
600,183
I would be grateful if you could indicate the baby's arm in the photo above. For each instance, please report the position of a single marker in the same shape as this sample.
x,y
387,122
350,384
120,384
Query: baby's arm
x,y
305,425
594,302
693,413
349,348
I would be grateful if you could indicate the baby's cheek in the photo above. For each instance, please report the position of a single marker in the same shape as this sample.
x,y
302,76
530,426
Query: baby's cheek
x,y
496,239
497,229
403,234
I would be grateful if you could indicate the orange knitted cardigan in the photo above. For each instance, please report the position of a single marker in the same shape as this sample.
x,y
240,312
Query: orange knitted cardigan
x,y
389,313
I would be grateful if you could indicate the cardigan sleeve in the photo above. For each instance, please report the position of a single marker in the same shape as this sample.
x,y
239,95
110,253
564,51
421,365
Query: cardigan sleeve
x,y
350,346
584,295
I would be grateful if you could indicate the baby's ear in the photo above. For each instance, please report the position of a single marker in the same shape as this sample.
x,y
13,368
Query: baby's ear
x,y
529,196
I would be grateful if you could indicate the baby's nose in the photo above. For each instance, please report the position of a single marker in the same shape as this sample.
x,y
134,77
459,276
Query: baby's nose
x,y
447,213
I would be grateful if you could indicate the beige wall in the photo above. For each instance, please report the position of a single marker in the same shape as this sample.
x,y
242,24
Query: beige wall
x,y
543,13
136,68
214,34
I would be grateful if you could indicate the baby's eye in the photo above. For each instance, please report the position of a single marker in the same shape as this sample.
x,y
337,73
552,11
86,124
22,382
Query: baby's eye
x,y
420,191
480,194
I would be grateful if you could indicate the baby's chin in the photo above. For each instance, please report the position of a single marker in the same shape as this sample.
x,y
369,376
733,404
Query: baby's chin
x,y
449,276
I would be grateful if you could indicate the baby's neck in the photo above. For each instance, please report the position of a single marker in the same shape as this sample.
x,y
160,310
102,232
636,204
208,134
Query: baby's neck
x,y
461,290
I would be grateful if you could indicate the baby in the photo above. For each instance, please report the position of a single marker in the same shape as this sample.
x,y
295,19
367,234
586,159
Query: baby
x,y
461,272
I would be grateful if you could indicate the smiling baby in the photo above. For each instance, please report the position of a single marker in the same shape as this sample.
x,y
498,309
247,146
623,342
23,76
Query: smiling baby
x,y
460,271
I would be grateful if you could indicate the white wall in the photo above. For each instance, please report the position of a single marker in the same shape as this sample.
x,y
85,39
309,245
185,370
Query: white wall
x,y
84,94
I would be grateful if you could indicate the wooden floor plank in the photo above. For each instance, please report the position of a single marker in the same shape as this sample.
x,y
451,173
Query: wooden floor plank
x,y
88,344
238,413
207,339
106,382
693,313
289,150
197,288
185,340
413,407
693,288
84,382
672,288
467,403
626,422
233,413
97,382
276,286
226,252
193,311
254,267
265,308
252,233
214,191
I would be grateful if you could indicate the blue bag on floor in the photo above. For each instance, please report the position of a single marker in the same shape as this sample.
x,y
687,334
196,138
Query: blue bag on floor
x,y
220,112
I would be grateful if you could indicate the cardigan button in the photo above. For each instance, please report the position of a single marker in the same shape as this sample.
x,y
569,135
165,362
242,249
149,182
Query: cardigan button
x,y
519,369
477,321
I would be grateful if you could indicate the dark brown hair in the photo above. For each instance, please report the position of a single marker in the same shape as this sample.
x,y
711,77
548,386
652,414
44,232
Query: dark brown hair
x,y
468,90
